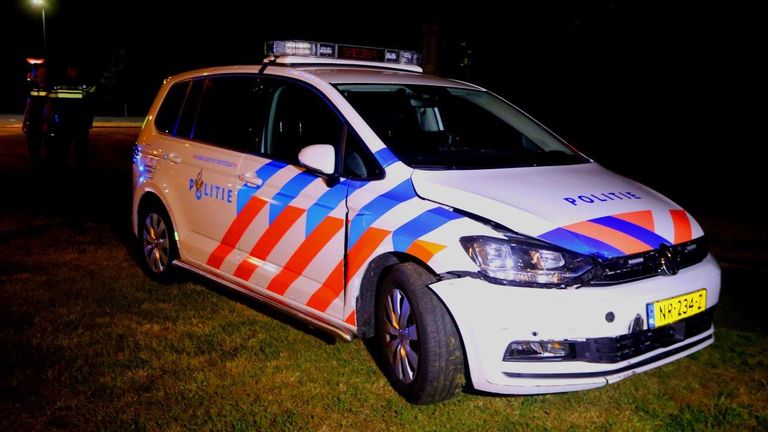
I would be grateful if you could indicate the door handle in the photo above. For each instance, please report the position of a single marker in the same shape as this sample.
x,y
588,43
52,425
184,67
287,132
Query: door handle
x,y
172,157
250,180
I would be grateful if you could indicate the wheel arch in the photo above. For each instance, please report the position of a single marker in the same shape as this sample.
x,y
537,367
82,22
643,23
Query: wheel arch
x,y
365,307
147,200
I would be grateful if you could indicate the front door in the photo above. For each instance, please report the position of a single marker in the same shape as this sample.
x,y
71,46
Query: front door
x,y
291,221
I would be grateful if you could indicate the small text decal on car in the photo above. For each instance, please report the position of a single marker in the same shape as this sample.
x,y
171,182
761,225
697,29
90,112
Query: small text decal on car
x,y
601,197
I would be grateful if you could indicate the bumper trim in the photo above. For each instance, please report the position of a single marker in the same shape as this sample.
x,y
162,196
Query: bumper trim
x,y
627,368
632,345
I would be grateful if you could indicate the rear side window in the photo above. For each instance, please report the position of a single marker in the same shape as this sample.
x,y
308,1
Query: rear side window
x,y
231,113
168,114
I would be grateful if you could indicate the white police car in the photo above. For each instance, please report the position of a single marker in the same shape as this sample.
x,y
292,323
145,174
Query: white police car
x,y
370,200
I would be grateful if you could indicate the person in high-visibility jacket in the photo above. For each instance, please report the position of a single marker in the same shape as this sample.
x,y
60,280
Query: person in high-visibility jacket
x,y
71,117
34,123
70,120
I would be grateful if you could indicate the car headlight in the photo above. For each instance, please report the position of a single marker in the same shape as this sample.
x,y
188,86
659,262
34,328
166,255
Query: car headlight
x,y
520,260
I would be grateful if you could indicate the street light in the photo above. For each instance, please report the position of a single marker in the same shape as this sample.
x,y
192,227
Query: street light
x,y
41,3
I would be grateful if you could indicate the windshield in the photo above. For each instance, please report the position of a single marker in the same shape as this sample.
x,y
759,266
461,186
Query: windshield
x,y
433,127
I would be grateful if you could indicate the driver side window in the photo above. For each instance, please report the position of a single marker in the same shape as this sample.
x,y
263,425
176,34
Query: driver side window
x,y
299,117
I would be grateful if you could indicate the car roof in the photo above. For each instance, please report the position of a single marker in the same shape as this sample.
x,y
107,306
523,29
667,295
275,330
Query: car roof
x,y
366,75
332,74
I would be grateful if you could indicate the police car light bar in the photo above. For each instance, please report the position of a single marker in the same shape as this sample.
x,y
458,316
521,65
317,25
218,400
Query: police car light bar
x,y
339,51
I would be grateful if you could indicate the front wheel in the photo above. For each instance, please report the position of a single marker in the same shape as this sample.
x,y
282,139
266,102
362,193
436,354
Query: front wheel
x,y
417,339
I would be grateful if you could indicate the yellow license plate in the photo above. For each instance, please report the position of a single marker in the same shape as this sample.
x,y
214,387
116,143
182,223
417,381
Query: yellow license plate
x,y
673,309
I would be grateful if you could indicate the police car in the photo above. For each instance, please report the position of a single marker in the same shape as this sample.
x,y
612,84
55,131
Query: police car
x,y
346,188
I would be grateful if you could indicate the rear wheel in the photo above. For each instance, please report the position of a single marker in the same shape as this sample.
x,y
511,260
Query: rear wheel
x,y
417,339
158,245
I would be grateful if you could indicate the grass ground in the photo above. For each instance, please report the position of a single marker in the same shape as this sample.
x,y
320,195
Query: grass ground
x,y
88,342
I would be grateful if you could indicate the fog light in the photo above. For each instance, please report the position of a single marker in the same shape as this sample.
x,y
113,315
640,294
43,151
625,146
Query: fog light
x,y
536,350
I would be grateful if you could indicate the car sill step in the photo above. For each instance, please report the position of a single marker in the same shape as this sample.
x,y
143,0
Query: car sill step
x,y
341,333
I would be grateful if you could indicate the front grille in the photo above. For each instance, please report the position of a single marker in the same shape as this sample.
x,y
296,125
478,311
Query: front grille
x,y
646,264
624,347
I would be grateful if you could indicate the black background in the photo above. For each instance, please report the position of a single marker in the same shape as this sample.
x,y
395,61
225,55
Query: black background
x,y
665,93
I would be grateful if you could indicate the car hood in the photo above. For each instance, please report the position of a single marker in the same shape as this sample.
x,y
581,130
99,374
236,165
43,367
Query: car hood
x,y
585,208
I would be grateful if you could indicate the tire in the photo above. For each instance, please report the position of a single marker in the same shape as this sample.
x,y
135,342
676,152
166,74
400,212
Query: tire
x,y
157,243
430,367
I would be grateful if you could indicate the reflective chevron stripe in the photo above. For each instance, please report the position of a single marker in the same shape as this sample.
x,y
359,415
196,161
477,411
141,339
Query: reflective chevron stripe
x,y
620,234
683,230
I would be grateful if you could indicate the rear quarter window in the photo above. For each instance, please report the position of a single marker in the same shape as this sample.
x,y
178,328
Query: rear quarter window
x,y
168,114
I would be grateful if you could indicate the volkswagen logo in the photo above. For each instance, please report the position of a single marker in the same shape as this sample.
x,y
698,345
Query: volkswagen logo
x,y
669,260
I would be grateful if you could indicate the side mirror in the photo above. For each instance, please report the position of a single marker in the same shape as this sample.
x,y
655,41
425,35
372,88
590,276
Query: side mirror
x,y
319,157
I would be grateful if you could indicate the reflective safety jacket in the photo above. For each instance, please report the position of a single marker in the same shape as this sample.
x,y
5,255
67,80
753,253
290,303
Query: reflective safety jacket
x,y
71,106
34,111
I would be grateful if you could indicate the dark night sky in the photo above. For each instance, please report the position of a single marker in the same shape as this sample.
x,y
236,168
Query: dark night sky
x,y
642,87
